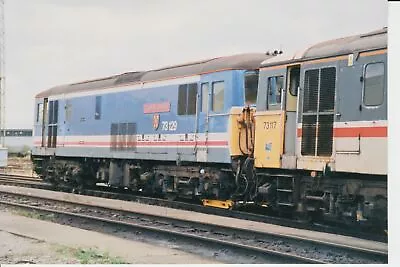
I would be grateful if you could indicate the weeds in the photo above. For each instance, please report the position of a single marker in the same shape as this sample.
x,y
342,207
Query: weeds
x,y
89,256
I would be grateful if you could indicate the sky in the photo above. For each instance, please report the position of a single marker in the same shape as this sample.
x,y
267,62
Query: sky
x,y
54,42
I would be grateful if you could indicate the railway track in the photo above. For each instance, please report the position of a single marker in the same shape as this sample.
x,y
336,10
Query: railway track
x,y
277,248
107,192
23,181
19,177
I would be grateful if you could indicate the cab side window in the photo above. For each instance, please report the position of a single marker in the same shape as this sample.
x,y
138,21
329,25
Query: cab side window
x,y
251,87
204,97
374,82
274,92
187,99
217,104
39,113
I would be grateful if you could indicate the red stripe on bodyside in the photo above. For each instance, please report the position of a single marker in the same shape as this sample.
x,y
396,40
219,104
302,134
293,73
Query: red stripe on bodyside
x,y
355,132
299,132
360,132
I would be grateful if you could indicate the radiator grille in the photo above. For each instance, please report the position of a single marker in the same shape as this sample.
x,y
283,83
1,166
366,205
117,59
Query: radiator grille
x,y
131,139
318,112
327,91
114,136
311,81
123,136
325,135
308,135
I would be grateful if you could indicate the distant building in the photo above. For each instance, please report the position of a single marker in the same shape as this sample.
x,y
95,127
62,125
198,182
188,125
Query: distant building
x,y
18,140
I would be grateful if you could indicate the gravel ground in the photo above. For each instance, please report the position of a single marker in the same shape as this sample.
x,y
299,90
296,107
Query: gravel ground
x,y
16,249
19,166
210,255
28,240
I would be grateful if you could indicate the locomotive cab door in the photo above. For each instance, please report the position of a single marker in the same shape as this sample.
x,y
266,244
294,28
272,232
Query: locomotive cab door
x,y
44,121
270,119
52,124
201,149
289,159
276,118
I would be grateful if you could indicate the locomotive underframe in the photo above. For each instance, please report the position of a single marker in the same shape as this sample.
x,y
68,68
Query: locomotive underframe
x,y
329,196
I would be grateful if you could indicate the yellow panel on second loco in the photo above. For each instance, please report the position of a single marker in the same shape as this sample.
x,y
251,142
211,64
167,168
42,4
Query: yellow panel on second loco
x,y
237,133
234,116
270,131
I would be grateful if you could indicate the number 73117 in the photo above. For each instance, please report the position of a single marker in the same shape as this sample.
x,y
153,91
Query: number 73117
x,y
270,125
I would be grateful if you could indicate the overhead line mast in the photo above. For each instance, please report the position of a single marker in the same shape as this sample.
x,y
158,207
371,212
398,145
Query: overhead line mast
x,y
2,74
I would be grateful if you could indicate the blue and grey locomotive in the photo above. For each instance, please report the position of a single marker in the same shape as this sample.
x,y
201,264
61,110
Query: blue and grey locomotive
x,y
302,134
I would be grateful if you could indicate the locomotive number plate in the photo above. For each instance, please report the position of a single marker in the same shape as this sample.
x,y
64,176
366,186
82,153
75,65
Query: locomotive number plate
x,y
268,125
169,125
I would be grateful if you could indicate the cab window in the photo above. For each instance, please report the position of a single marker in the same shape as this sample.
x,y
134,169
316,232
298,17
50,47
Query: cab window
x,y
204,97
251,87
217,97
374,82
39,114
187,99
274,92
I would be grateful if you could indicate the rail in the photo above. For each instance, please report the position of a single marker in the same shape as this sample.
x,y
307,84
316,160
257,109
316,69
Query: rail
x,y
283,248
255,214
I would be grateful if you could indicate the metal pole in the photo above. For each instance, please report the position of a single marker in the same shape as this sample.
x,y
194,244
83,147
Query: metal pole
x,y
2,74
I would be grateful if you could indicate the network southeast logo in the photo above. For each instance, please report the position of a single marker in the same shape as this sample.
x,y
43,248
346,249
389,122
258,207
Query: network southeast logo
x,y
156,121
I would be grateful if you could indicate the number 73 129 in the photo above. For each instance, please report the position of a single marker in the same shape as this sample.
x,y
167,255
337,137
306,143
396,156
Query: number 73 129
x,y
169,125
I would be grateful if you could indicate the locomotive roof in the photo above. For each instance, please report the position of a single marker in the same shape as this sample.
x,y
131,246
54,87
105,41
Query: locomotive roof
x,y
342,46
240,61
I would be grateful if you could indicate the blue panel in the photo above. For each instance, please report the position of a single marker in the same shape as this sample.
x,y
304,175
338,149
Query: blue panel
x,y
128,106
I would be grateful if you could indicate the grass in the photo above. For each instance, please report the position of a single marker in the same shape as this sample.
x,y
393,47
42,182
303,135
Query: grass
x,y
32,214
83,255
88,256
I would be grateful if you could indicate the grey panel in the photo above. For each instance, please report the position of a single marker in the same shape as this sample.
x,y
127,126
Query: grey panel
x,y
352,44
218,155
348,99
290,133
380,112
241,61
369,41
263,86
77,87
350,89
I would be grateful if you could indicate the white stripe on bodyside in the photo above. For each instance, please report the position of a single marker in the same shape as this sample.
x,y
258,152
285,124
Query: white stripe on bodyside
x,y
372,159
144,137
377,123
347,157
355,124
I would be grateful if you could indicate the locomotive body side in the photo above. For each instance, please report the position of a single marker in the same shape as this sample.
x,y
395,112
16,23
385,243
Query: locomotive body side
x,y
161,130
305,135
339,121
321,130
138,123
356,134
